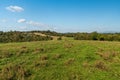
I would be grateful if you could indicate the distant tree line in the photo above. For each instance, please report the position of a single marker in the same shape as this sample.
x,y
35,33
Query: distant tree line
x,y
17,36
85,36
97,36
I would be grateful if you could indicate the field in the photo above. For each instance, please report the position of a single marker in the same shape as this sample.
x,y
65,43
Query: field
x,y
60,60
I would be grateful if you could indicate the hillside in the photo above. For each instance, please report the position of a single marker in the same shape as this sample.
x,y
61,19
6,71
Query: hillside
x,y
60,60
42,34
17,36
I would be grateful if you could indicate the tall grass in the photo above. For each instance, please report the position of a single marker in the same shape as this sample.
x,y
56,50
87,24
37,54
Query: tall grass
x,y
60,60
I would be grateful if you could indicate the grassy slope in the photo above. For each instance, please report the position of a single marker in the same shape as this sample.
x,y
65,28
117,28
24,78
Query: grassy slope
x,y
63,60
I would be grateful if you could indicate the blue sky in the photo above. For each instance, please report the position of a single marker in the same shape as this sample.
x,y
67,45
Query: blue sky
x,y
60,15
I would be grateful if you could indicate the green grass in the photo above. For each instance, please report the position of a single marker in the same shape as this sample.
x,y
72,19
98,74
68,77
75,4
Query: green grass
x,y
60,60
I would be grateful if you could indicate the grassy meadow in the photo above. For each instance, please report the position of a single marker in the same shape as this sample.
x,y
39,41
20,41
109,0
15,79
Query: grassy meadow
x,y
60,60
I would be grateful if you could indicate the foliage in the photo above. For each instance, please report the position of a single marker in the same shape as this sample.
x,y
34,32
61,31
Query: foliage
x,y
15,36
59,38
98,36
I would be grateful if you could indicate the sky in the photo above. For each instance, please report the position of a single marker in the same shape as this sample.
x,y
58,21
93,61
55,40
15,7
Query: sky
x,y
60,15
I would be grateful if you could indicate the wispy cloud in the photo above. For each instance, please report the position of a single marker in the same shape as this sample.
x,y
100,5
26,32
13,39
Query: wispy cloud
x,y
21,20
36,24
15,8
33,23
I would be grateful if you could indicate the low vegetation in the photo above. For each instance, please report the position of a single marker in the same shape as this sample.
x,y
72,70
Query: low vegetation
x,y
60,60
70,56
97,36
16,36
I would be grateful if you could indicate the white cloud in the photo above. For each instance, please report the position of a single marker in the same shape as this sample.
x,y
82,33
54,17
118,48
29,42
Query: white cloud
x,y
21,20
37,24
15,8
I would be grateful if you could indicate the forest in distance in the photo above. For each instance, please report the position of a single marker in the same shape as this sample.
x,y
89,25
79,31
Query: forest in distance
x,y
24,36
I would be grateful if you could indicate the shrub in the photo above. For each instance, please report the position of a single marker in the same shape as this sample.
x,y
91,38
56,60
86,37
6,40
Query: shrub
x,y
14,72
85,64
101,65
22,51
105,56
90,57
39,50
68,45
57,56
108,55
59,38
41,63
17,36
69,61
97,36
6,54
44,57
23,47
